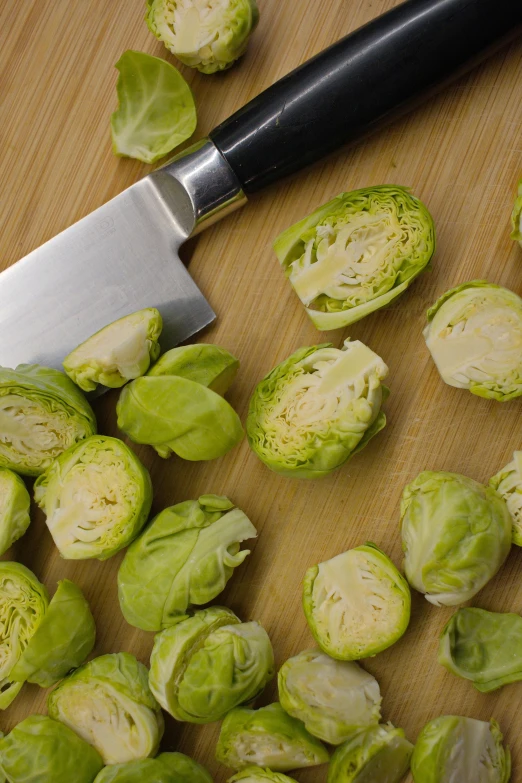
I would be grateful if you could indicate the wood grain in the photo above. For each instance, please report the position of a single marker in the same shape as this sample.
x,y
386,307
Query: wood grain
x,y
461,153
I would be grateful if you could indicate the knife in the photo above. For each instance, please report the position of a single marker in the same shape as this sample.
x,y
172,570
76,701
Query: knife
x,y
124,256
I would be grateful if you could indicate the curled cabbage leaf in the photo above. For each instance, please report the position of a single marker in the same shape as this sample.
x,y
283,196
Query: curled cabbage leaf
x,y
165,768
508,484
378,754
15,503
260,775
516,217
209,365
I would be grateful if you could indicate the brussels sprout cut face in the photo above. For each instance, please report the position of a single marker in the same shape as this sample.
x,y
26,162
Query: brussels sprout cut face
x,y
379,754
14,509
516,217
260,775
508,483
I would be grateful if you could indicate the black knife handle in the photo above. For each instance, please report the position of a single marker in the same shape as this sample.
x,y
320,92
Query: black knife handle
x,y
345,90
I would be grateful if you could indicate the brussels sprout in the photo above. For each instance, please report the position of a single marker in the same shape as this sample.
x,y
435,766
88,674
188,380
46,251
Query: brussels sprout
x,y
209,35
516,217
317,409
209,365
165,768
14,509
474,335
207,664
508,483
185,556
267,737
96,496
42,414
332,698
117,353
357,604
451,749
109,704
356,253
23,603
456,534
260,775
378,754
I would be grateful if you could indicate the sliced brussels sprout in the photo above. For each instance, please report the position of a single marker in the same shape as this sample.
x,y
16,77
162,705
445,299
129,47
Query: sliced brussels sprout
x,y
267,737
332,698
42,750
207,664
165,768
356,253
317,409
96,496
260,775
377,754
357,604
516,217
508,483
474,335
23,604
119,352
185,556
209,35
451,749
209,365
14,509
108,702
42,413
456,534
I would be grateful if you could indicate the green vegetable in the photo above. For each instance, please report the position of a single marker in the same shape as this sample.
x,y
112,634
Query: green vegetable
x,y
165,768
41,750
185,556
456,534
260,775
378,754
317,409
108,702
357,604
96,496
451,749
474,335
209,365
267,737
207,664
117,353
516,217
209,35
156,109
42,414
508,483
356,253
14,509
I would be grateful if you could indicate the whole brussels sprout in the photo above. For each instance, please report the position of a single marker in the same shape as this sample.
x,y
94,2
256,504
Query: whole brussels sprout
x,y
456,534
42,414
508,484
119,352
317,409
108,702
42,750
96,496
165,768
260,775
267,737
208,35
14,509
474,335
356,253
357,604
207,664
516,217
185,556
332,698
380,754
451,748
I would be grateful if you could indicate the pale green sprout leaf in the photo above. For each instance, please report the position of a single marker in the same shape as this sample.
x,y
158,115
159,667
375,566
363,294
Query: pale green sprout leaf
x,y
14,509
165,768
209,365
516,217
508,483
259,775
377,754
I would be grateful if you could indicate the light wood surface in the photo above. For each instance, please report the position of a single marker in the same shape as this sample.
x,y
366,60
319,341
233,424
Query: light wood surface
x,y
461,153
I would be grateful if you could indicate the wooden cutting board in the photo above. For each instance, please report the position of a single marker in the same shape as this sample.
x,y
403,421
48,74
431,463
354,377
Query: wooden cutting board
x,y
461,153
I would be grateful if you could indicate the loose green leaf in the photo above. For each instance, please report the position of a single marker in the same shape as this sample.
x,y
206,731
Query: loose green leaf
x,y
209,365
516,217
378,754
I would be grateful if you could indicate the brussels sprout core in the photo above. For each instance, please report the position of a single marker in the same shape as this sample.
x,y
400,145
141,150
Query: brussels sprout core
x,y
508,483
14,509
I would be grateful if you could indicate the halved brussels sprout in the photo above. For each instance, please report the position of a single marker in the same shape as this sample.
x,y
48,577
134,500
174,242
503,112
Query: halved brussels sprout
x,y
209,365
267,737
378,754
165,768
516,217
42,750
108,702
332,698
185,556
356,253
508,484
317,409
42,414
451,749
260,775
456,534
357,604
474,335
96,496
207,664
209,35
14,509
119,352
